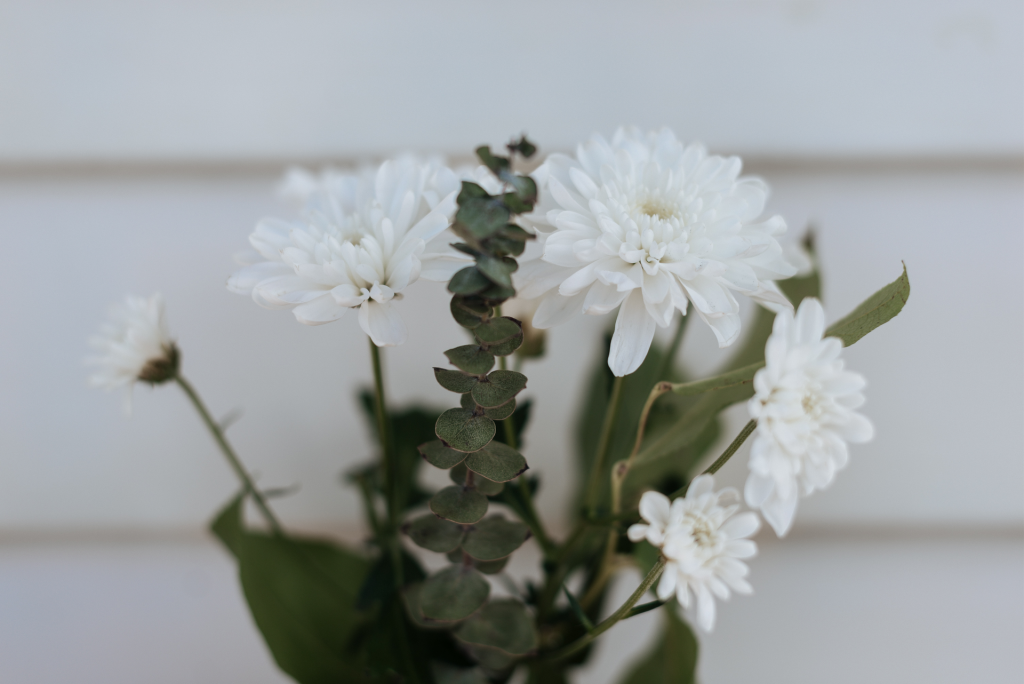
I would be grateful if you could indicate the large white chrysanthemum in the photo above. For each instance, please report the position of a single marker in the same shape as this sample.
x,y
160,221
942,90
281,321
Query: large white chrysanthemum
x,y
804,406
703,541
134,345
648,223
360,243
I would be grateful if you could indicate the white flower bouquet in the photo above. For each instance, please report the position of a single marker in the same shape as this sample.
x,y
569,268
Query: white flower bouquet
x,y
660,231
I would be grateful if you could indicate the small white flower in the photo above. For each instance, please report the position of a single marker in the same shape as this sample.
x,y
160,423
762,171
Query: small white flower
x,y
134,346
704,542
649,224
360,244
804,406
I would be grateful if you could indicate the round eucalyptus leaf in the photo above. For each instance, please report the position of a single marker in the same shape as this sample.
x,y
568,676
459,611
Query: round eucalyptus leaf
x,y
454,381
474,305
464,431
468,281
498,412
453,594
507,347
432,533
497,330
505,625
497,270
458,474
497,388
440,456
471,359
460,505
497,461
446,674
491,567
480,483
463,317
491,658
494,538
411,599
467,403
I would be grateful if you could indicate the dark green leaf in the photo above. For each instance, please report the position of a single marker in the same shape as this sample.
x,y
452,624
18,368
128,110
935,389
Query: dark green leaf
x,y
491,567
498,271
507,347
411,599
673,660
444,674
302,594
577,610
515,204
471,359
524,186
523,147
464,431
473,305
468,281
498,388
454,593
470,191
498,412
494,538
434,534
520,419
494,162
506,246
462,316
498,329
480,483
483,217
455,381
877,309
498,292
440,456
497,462
460,505
504,625
466,400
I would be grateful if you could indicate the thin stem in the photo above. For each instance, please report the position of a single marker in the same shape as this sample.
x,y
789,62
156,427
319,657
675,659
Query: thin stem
x,y
229,453
390,467
673,349
597,471
726,455
615,617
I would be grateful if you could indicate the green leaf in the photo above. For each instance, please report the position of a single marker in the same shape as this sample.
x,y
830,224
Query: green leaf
x,y
460,505
440,456
504,625
471,359
520,419
302,594
498,388
462,316
877,309
468,281
483,216
445,674
480,483
498,293
486,567
507,347
523,147
454,381
495,163
498,330
464,431
494,538
470,190
454,593
432,533
497,270
577,609
497,462
498,412
474,305
673,660
525,188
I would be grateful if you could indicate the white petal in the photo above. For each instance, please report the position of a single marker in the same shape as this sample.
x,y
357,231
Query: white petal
x,y
319,311
667,585
702,484
382,323
654,508
705,609
555,309
726,328
637,532
810,321
245,279
757,489
743,525
634,331
779,512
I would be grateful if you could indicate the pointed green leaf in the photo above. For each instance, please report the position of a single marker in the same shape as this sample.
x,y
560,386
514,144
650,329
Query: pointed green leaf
x,y
454,593
498,412
498,330
494,538
432,533
673,660
464,431
877,309
460,505
504,625
498,388
577,609
497,462
440,456
471,359
454,381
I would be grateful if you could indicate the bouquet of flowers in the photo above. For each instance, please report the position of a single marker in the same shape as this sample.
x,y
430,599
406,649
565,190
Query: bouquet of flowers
x,y
641,223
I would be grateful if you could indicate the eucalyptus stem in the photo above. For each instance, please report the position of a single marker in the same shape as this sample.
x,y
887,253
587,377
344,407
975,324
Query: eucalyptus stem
x,y
623,612
229,453
594,484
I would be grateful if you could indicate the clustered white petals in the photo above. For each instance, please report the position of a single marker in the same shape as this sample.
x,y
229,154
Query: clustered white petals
x,y
360,244
804,404
704,542
647,224
134,345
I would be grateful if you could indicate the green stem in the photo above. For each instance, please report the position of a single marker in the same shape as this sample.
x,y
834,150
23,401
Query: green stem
x,y
597,470
229,453
388,462
673,349
726,455
615,617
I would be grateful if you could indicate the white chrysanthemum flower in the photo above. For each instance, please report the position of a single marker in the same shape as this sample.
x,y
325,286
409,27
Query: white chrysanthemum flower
x,y
804,406
360,244
134,345
648,223
703,541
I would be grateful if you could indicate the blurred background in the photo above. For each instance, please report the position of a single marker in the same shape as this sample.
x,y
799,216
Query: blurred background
x,y
141,141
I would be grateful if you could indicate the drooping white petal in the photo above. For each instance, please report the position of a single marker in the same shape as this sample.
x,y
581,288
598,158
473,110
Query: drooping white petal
x,y
382,323
634,332
319,311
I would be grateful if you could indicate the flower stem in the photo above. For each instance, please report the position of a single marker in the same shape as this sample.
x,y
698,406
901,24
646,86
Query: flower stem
x,y
597,470
388,461
673,349
747,430
229,453
623,612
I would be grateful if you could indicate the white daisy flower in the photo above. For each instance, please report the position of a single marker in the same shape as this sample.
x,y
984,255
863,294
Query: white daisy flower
x,y
134,346
703,541
804,406
646,224
360,244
